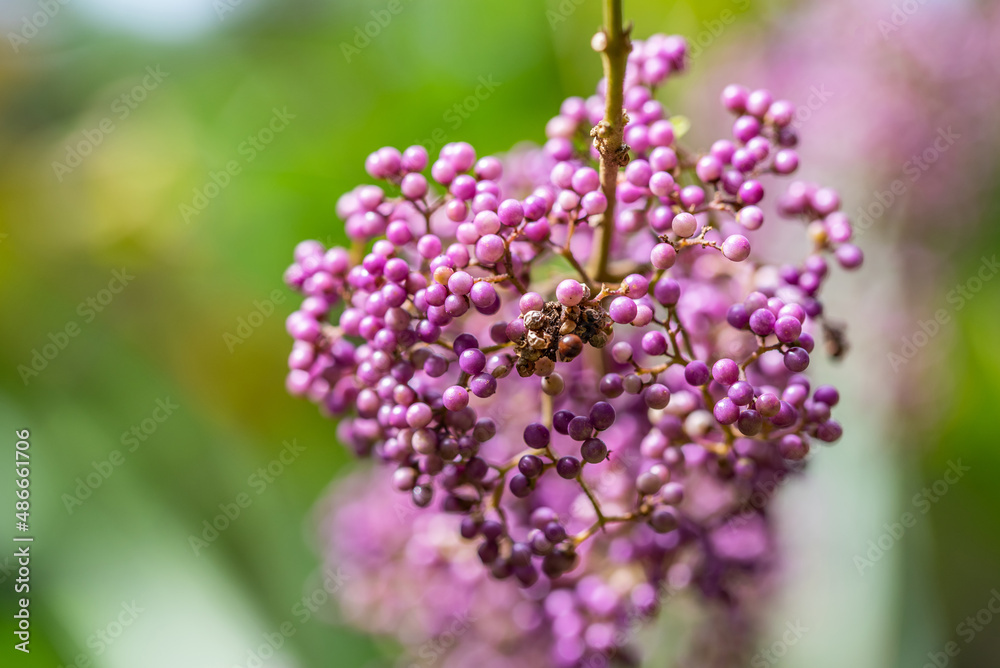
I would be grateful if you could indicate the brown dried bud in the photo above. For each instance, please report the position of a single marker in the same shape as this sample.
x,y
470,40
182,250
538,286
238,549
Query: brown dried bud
x,y
534,320
544,366
538,341
525,367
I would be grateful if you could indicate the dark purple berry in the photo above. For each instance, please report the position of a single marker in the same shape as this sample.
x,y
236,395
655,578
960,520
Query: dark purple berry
x,y
663,519
594,451
568,467
536,435
488,551
520,486
422,495
580,428
470,527
602,415
491,529
555,532
530,465
561,420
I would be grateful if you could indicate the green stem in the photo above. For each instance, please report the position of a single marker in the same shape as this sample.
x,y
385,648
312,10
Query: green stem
x,y
614,57
593,499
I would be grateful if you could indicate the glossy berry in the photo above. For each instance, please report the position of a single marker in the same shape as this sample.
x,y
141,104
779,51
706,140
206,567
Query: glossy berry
x,y
594,450
568,467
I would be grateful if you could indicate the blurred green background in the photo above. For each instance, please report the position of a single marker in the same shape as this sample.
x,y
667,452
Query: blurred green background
x,y
197,326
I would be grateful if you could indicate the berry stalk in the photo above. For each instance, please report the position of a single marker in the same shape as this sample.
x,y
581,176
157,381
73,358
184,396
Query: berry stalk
x,y
614,45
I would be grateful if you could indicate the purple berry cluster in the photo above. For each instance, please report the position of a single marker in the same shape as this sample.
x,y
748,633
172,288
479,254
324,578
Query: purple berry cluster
x,y
590,430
